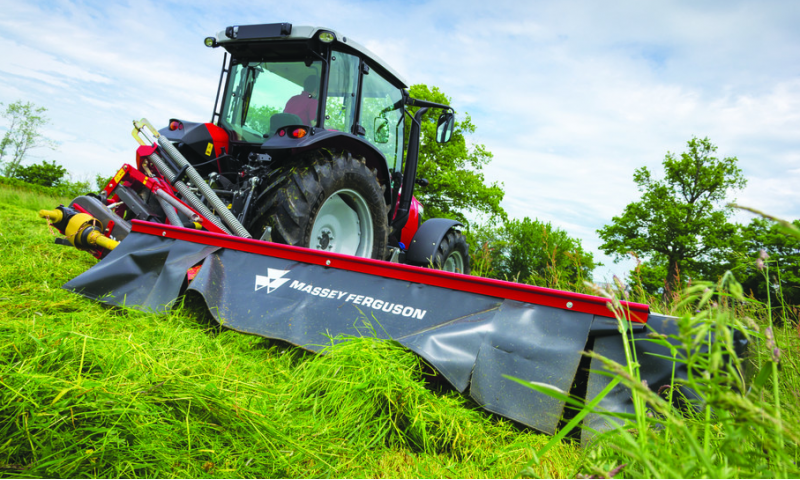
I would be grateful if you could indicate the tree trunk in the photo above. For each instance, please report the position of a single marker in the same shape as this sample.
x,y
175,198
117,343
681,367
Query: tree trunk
x,y
672,284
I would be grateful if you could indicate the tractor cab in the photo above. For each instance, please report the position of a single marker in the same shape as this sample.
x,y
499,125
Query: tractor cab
x,y
307,113
290,87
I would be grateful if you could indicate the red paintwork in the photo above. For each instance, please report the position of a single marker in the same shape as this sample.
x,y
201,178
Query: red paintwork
x,y
192,272
483,286
412,224
80,209
131,175
144,151
220,139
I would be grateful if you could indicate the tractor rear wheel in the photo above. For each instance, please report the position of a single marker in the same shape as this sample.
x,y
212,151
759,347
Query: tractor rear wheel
x,y
328,201
452,255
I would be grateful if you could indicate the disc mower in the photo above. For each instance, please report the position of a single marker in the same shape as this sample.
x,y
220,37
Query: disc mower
x,y
292,214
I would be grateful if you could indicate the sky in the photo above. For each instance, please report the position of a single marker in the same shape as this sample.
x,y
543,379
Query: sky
x,y
571,97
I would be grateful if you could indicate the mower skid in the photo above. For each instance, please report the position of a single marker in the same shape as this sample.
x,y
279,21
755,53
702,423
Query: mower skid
x,y
472,330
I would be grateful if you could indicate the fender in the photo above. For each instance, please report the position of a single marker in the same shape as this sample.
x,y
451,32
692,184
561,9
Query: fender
x,y
426,241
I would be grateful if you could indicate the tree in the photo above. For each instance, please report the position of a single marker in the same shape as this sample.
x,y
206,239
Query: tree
x,y
781,253
680,222
22,134
45,174
258,117
454,170
534,252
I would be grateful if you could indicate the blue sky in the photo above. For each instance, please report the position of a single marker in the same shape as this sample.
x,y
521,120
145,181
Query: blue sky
x,y
571,97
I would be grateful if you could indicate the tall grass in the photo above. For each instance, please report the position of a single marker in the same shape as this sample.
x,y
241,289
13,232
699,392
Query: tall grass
x,y
91,391
739,426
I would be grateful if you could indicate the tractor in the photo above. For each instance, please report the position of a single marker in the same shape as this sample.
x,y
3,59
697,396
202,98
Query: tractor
x,y
305,148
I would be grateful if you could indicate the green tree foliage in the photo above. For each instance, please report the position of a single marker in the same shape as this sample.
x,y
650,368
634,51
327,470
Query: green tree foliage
x,y
651,275
532,252
781,254
24,121
258,117
680,221
454,169
100,181
44,174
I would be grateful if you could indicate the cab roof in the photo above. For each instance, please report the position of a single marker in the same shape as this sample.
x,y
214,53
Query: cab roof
x,y
248,34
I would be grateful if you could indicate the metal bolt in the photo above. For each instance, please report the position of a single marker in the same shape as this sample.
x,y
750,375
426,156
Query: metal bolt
x,y
569,304
327,262
163,234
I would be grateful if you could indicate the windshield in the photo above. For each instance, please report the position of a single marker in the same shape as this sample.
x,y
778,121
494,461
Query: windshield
x,y
262,97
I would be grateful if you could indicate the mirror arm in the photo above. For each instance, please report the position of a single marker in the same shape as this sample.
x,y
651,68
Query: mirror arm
x,y
415,102
410,174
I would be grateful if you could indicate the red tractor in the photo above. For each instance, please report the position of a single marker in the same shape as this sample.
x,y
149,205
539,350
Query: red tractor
x,y
305,147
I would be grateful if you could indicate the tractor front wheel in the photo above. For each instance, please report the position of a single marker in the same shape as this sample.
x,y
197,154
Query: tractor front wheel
x,y
328,201
453,253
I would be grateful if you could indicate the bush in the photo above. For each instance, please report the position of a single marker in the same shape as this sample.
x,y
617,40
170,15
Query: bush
x,y
532,252
44,174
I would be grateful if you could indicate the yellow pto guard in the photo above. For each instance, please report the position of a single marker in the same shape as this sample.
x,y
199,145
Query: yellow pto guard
x,y
83,231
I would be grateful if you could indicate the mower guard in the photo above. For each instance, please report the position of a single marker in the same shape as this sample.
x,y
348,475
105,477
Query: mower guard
x,y
472,330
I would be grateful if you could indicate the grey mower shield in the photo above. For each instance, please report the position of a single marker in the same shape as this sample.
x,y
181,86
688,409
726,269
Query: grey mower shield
x,y
473,340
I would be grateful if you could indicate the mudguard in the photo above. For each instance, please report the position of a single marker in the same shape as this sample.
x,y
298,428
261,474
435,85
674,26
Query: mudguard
x,y
426,241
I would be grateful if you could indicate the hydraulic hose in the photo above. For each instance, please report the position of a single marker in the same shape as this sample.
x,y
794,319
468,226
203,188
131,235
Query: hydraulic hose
x,y
172,215
176,205
188,195
226,215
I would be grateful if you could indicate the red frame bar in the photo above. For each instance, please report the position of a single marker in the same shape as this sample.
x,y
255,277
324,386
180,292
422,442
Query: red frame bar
x,y
128,173
549,297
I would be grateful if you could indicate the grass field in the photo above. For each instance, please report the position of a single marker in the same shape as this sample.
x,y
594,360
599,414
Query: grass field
x,y
92,391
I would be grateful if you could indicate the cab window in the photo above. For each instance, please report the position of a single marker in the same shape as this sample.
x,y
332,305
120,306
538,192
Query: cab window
x,y
340,106
262,97
382,117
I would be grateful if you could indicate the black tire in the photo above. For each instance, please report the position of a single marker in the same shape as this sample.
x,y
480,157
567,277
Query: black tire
x,y
453,253
334,188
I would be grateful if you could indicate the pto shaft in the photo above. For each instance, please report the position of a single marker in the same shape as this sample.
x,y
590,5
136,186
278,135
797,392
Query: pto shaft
x,y
83,231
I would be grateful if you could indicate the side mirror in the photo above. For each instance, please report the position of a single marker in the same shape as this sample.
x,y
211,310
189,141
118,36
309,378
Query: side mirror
x,y
444,127
381,130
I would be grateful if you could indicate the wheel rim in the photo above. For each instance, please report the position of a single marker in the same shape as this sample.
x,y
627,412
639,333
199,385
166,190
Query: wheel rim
x,y
454,263
343,225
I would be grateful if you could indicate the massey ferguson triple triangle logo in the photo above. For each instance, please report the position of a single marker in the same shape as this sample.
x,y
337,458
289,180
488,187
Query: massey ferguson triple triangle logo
x,y
272,281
